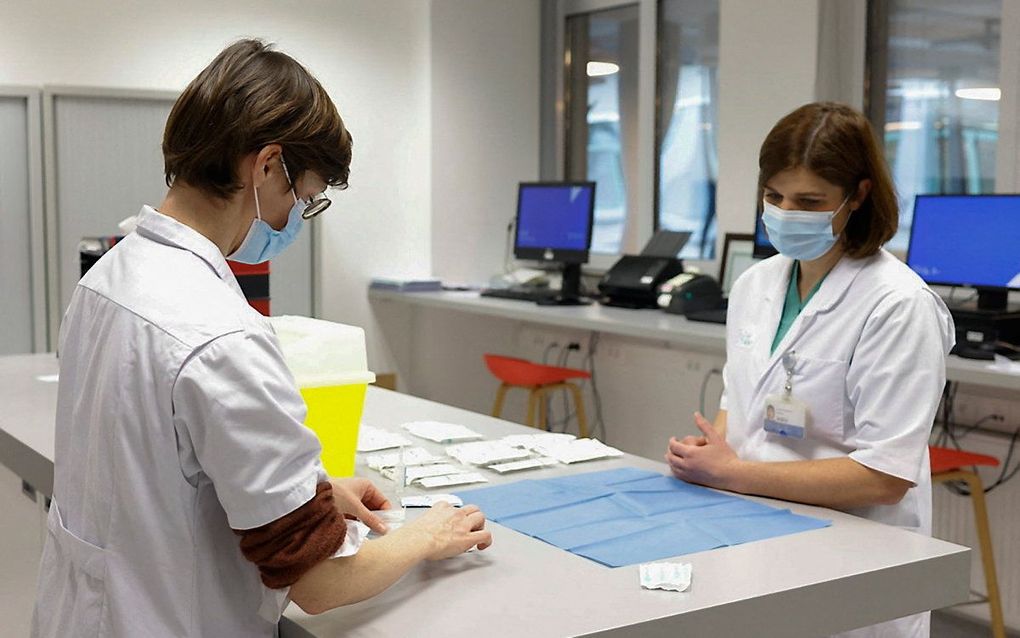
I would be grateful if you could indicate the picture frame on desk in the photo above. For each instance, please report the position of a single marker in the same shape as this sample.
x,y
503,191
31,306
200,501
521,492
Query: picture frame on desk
x,y
737,256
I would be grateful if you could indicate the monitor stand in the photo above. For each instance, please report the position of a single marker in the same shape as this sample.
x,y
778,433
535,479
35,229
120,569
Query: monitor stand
x,y
570,289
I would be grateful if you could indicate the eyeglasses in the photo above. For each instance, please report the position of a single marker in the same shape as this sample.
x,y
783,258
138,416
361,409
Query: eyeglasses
x,y
316,203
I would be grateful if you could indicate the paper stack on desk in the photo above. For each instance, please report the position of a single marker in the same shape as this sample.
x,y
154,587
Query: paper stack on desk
x,y
406,284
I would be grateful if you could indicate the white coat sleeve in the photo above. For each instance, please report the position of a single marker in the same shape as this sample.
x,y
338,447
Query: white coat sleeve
x,y
240,420
894,383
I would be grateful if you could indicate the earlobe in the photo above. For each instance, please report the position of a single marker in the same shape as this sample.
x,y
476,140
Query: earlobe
x,y
263,161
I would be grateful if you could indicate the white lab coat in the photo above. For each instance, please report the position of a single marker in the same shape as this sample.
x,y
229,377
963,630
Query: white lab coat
x,y
177,420
870,349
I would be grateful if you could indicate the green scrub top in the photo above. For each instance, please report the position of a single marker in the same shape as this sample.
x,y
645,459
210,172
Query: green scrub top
x,y
793,304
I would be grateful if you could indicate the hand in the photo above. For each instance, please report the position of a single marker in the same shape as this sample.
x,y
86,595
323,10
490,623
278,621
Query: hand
x,y
356,497
706,460
451,531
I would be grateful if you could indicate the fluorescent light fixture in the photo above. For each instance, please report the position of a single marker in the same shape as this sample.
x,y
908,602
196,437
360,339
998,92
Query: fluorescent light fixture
x,y
903,126
990,93
598,69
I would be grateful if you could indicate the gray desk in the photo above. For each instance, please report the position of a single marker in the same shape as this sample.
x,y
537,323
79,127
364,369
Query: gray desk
x,y
652,325
815,583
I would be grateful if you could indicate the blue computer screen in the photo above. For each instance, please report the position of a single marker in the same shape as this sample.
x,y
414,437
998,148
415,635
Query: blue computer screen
x,y
967,240
554,216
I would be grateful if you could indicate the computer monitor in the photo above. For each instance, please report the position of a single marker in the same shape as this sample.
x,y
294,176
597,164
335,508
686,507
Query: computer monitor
x,y
554,223
968,240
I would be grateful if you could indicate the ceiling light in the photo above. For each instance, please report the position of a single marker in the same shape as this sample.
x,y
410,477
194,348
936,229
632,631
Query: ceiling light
x,y
903,126
598,69
990,93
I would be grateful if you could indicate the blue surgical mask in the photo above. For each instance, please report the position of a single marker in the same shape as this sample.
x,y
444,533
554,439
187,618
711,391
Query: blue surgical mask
x,y
263,242
800,234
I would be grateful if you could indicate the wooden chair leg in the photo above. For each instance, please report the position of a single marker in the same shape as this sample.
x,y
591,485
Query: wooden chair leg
x,y
497,409
582,418
977,496
532,404
543,409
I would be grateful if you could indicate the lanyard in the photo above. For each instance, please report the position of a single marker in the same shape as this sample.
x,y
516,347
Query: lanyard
x,y
789,363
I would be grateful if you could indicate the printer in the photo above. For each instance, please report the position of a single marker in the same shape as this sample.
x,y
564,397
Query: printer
x,y
634,280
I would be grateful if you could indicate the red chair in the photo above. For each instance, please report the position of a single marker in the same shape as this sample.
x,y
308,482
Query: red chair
x,y
539,380
948,464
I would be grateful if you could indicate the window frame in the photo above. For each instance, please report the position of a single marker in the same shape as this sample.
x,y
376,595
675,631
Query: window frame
x,y
876,64
553,164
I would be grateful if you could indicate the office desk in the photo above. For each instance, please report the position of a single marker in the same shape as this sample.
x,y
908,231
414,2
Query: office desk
x,y
814,583
653,325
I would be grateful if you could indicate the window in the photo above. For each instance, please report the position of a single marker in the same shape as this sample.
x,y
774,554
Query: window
x,y
934,95
601,124
686,124
638,82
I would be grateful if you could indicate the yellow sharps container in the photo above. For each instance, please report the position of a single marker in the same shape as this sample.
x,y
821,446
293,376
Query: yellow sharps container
x,y
331,369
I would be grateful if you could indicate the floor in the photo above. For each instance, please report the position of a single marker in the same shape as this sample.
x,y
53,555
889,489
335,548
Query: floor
x,y
949,625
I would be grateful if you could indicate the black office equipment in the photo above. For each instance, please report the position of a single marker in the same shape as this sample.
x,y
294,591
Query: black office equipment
x,y
694,294
973,241
634,280
538,295
713,315
554,223
666,243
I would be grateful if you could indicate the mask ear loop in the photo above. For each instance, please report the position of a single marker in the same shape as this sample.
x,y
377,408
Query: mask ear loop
x,y
258,209
286,174
836,212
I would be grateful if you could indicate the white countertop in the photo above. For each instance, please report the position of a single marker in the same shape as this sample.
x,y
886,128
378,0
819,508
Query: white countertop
x,y
808,584
653,325
853,573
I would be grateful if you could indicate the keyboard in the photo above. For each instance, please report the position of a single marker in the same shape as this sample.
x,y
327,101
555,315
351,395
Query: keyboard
x,y
520,294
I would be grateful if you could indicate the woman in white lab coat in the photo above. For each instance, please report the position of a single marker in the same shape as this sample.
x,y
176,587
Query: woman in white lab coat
x,y
835,348
189,498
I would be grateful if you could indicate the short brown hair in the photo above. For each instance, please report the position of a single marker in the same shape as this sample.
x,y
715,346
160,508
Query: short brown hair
x,y
248,97
838,144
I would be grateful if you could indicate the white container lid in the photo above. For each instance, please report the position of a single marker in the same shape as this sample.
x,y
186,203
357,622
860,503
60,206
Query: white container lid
x,y
322,353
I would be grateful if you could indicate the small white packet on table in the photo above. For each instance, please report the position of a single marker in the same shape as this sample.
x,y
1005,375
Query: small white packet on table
x,y
526,464
372,439
486,452
452,479
357,532
668,576
415,472
429,500
412,456
530,441
441,432
578,451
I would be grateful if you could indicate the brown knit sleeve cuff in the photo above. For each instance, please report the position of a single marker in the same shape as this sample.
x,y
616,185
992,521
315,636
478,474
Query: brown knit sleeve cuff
x,y
288,547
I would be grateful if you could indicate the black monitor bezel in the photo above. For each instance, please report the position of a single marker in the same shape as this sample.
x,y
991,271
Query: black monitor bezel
x,y
561,255
910,241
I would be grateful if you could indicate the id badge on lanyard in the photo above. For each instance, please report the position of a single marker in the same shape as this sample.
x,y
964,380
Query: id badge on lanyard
x,y
784,415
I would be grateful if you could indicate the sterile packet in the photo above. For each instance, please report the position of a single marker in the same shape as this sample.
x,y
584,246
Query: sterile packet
x,y
668,576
